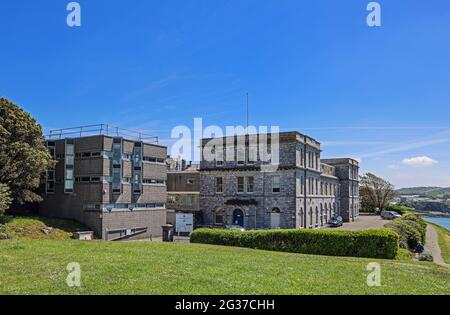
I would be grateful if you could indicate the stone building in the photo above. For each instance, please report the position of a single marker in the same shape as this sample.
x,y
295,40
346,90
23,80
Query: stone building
x,y
303,191
109,180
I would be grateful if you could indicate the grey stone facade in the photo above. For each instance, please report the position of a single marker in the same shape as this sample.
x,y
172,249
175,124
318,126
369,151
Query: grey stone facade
x,y
302,192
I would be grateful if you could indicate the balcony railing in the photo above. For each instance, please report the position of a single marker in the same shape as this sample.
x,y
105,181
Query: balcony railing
x,y
101,129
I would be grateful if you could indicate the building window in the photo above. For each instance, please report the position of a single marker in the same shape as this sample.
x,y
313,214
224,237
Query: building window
x,y
50,181
152,159
250,184
220,217
241,156
50,187
276,184
69,166
241,184
301,157
151,181
218,154
317,216
219,185
252,154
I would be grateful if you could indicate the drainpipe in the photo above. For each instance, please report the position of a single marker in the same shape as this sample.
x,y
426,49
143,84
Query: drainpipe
x,y
264,194
304,183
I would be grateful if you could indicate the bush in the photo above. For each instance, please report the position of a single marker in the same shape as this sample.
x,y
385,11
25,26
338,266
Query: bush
x,y
5,198
411,229
3,234
408,231
370,243
418,219
425,257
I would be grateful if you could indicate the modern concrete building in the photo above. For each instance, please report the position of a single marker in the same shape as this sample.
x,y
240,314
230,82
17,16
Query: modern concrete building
x,y
183,194
112,180
303,191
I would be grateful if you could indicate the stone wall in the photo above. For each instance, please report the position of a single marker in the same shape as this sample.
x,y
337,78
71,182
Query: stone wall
x,y
310,193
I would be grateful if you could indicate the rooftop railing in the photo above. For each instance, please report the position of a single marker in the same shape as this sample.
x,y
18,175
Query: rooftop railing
x,y
100,129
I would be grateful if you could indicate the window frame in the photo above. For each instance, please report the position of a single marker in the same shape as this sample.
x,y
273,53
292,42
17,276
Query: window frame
x,y
276,190
219,191
243,185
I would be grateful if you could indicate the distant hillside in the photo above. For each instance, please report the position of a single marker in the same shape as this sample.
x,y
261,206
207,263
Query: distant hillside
x,y
435,192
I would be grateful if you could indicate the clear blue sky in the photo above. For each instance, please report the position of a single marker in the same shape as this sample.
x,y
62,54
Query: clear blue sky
x,y
379,94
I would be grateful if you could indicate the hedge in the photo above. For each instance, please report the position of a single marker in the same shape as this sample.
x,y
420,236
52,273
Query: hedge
x,y
411,229
370,243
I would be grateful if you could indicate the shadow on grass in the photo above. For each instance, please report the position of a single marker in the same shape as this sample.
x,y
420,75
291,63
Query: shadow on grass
x,y
5,219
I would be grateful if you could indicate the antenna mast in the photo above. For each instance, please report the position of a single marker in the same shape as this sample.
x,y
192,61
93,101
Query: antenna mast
x,y
247,111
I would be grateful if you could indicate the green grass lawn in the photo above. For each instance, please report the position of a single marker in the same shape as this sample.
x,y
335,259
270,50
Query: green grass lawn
x,y
28,228
39,267
444,241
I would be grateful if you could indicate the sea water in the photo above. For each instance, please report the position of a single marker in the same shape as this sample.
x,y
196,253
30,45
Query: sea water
x,y
445,222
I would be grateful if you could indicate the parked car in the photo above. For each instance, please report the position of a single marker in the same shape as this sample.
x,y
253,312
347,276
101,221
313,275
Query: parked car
x,y
235,227
336,221
390,215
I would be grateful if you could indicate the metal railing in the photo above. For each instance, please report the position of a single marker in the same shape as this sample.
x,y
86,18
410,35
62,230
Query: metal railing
x,y
100,129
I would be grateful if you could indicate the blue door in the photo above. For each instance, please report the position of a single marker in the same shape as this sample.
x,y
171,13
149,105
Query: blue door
x,y
238,217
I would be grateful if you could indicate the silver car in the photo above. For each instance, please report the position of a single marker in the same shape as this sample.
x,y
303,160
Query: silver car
x,y
390,215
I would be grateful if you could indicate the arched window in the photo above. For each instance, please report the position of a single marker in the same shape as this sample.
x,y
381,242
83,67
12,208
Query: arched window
x,y
310,216
317,216
275,218
301,217
321,214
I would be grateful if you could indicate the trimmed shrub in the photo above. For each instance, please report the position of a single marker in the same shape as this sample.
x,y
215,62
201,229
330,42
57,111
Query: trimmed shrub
x,y
425,257
371,243
418,219
411,229
5,198
408,231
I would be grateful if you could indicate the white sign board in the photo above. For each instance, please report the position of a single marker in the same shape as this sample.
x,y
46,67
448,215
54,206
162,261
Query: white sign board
x,y
184,222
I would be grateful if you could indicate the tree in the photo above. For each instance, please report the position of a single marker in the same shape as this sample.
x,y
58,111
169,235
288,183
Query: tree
x,y
5,198
375,192
24,158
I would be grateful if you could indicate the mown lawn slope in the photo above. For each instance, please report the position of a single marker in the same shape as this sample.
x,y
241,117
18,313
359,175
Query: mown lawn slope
x,y
38,228
444,242
39,267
